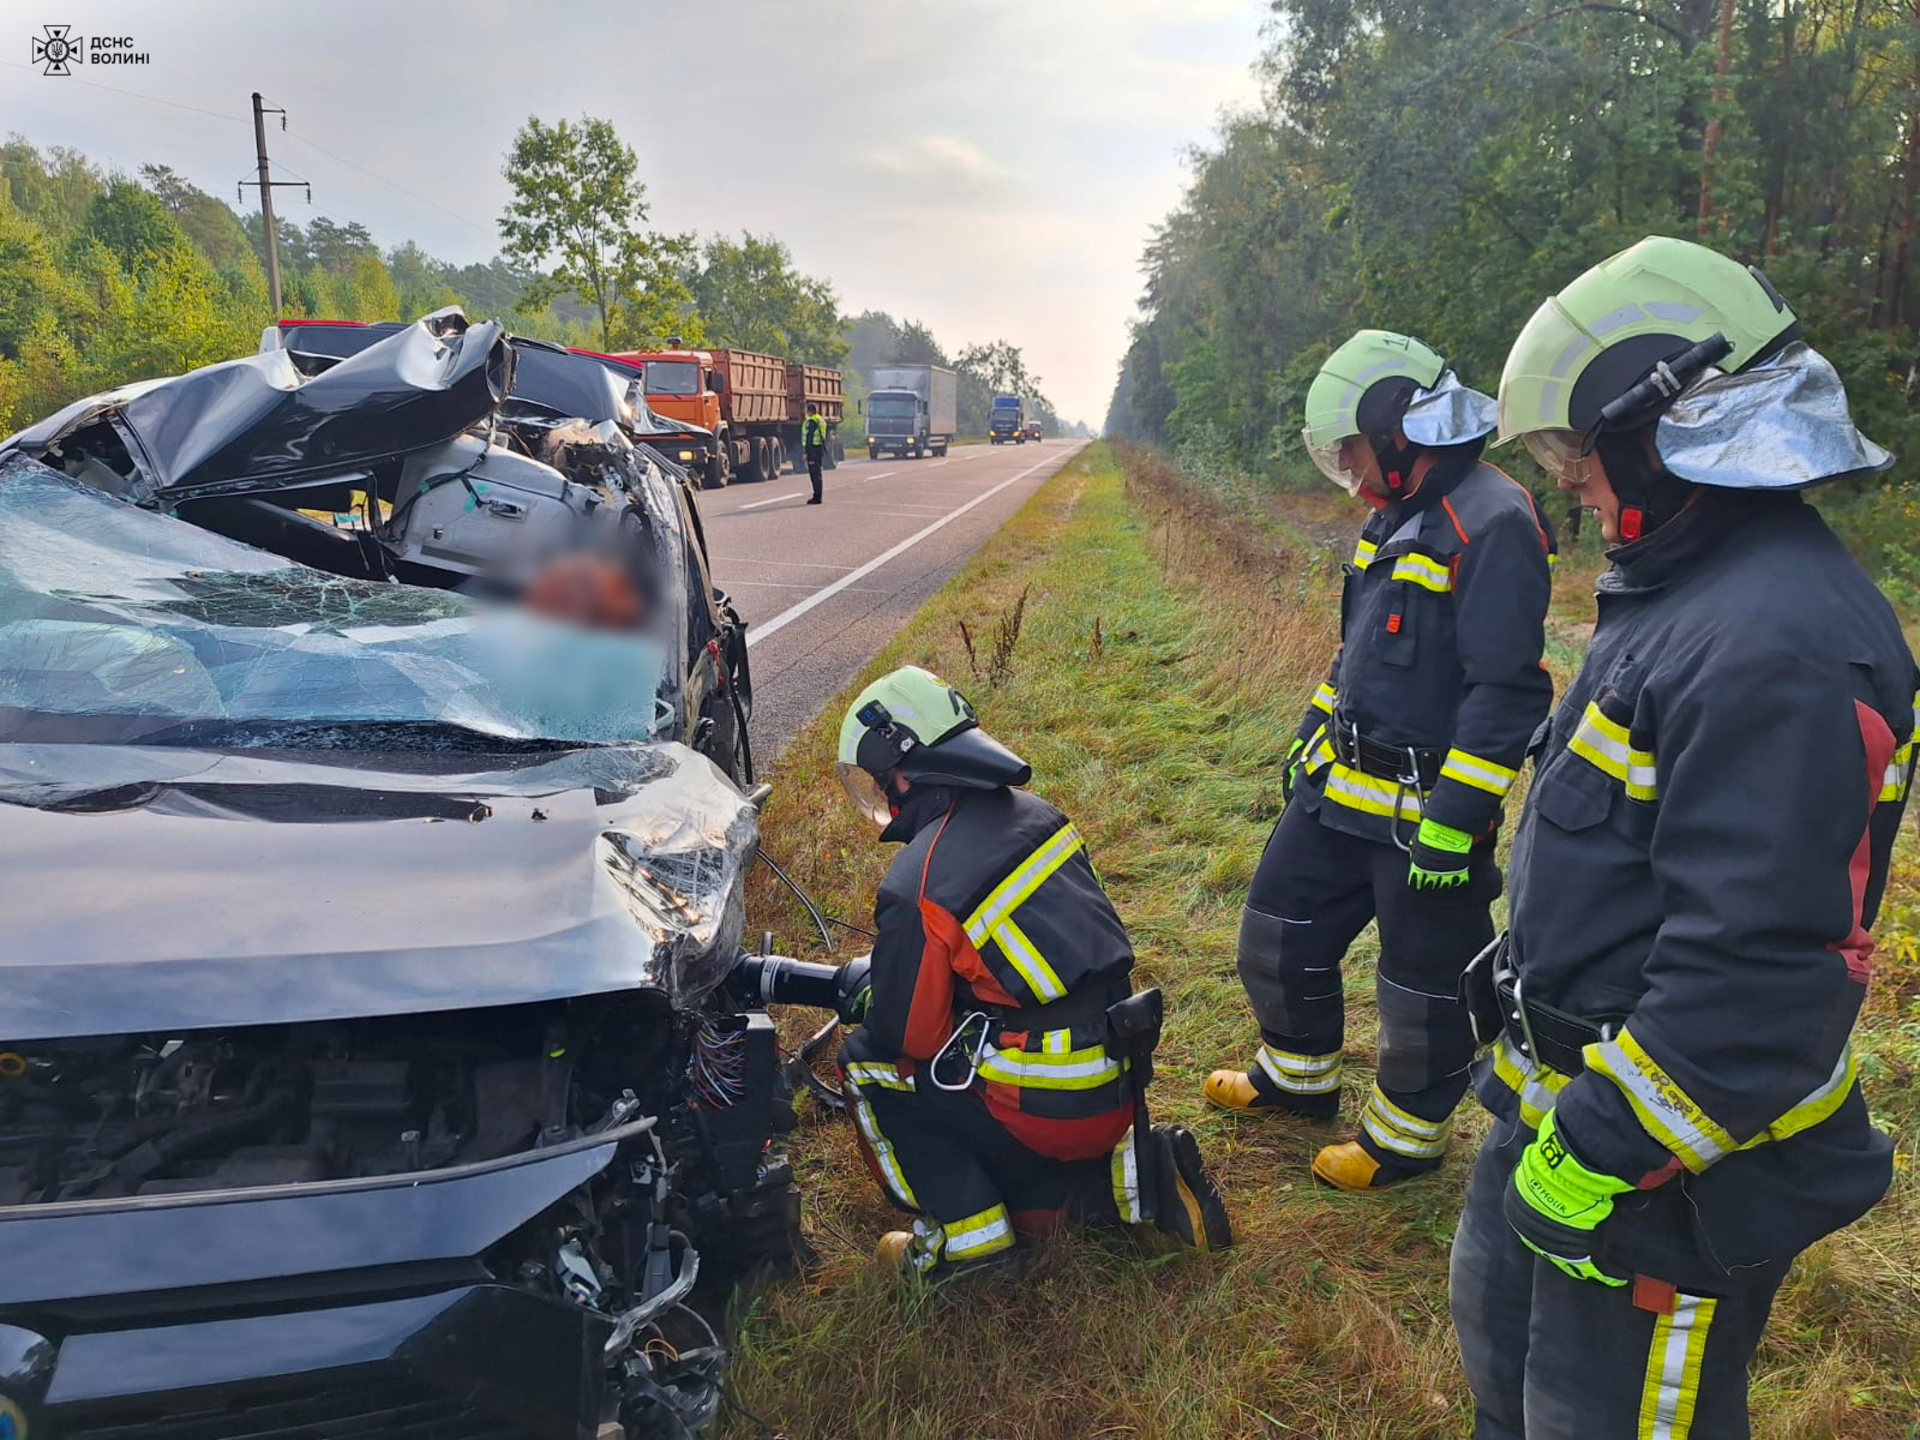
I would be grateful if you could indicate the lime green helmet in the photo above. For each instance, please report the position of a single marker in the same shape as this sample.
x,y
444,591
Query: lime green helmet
x,y
913,722
1614,349
1372,386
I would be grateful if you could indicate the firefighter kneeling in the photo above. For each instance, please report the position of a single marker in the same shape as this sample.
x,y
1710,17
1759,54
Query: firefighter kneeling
x,y
992,1090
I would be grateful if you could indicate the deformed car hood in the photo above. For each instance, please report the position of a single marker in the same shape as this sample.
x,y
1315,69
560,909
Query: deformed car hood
x,y
152,889
257,421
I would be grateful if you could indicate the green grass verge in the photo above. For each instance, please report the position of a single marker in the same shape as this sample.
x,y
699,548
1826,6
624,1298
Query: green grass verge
x,y
1166,645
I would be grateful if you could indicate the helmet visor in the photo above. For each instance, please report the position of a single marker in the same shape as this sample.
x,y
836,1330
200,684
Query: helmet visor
x,y
865,792
1563,454
1326,458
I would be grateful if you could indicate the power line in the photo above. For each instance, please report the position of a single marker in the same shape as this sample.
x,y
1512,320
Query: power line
x,y
136,95
291,134
391,185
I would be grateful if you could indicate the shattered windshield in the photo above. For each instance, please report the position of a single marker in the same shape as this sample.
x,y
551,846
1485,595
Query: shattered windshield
x,y
118,623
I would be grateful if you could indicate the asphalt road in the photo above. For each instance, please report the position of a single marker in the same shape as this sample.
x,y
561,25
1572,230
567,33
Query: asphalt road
x,y
824,587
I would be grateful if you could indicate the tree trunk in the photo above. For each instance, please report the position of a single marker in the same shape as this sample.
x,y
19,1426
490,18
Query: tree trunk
x,y
1777,187
1909,185
1722,65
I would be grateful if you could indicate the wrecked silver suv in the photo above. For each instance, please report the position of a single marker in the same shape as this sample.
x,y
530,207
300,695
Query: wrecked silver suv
x,y
367,1066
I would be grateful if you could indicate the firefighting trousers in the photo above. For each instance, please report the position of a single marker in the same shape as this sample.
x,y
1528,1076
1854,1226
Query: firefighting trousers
x,y
1313,892
944,1156
1554,1358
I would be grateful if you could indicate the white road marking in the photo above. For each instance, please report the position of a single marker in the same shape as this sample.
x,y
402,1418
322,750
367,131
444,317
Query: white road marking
x,y
853,577
790,495
754,560
790,585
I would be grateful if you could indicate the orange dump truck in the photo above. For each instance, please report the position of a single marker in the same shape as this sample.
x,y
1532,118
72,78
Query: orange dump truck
x,y
752,403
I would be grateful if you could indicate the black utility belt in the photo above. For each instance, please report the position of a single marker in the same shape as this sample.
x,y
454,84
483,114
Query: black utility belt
x,y
1406,764
1494,993
1081,1010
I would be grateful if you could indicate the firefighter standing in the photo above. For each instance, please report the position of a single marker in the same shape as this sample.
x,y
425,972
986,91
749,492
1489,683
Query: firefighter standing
x,y
986,1092
813,439
1704,845
1396,777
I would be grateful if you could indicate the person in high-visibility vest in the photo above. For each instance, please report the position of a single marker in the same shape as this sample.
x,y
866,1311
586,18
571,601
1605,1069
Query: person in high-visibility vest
x,y
989,1092
813,439
1676,1104
1397,774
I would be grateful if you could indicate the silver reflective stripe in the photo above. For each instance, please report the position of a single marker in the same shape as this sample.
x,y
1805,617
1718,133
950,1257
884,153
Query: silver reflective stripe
x,y
985,1231
1301,1074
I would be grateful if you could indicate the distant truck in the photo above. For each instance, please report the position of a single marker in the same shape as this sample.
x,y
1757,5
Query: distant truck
x,y
1007,421
754,405
912,411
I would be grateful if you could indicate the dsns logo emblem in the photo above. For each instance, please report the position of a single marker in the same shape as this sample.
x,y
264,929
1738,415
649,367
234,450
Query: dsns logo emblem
x,y
56,50
13,1425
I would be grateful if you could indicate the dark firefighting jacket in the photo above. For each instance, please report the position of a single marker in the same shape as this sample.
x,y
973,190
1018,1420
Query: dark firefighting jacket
x,y
1704,847
993,907
1441,628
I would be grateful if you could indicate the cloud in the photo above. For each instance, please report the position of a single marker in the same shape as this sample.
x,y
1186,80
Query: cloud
x,y
933,167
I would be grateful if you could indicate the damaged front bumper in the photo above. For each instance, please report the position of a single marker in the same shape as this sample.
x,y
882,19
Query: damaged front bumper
x,y
360,1308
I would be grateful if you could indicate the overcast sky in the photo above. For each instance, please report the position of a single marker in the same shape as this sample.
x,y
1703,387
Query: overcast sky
x,y
989,167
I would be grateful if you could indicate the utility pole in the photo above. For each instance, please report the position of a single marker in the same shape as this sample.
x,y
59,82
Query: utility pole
x,y
266,201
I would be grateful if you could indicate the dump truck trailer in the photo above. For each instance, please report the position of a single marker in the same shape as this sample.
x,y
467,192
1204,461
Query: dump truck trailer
x,y
753,404
912,411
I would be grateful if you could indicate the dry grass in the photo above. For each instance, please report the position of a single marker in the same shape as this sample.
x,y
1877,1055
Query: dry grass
x,y
1168,639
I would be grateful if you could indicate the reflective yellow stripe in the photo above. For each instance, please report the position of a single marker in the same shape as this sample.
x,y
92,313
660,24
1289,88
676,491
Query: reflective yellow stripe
x,y
1470,769
1358,790
1363,554
1033,968
1672,1388
1395,1130
1812,1109
994,916
1301,1074
1537,1086
1126,1181
1087,1068
1427,574
1605,743
1324,697
1899,777
867,1073
883,1156
1666,1111
985,1233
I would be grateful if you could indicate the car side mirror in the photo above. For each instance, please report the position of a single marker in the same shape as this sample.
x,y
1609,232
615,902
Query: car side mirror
x,y
716,382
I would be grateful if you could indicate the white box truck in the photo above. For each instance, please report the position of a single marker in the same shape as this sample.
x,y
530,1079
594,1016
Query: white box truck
x,y
912,410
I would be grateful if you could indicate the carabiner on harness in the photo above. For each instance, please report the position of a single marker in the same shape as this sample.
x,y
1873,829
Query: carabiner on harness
x,y
973,1050
1408,779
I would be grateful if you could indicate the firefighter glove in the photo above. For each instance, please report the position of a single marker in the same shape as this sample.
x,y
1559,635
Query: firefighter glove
x,y
1439,856
1290,769
1556,1204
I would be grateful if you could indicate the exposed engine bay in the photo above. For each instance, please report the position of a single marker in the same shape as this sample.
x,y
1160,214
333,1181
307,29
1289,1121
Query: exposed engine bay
x,y
697,1192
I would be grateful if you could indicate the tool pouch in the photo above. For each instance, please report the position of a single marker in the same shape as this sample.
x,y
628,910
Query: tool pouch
x,y
1133,1030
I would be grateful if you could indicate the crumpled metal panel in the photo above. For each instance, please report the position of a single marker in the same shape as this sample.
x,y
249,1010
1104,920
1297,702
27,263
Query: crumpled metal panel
x,y
257,422
155,888
1780,425
117,623
1449,413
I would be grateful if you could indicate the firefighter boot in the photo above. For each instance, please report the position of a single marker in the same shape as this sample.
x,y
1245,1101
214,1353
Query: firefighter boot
x,y
1247,1090
1352,1166
1188,1206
